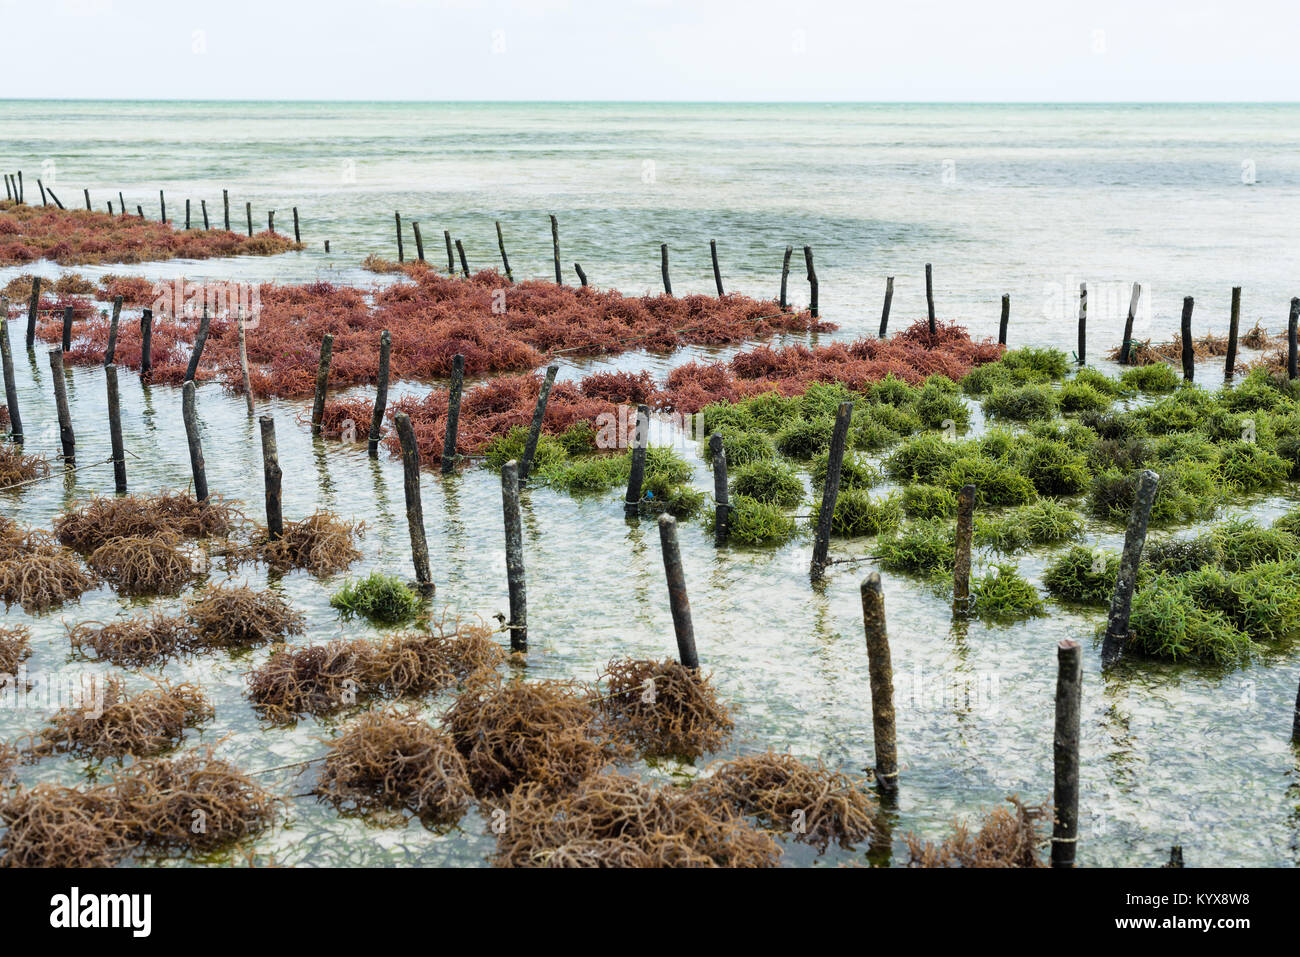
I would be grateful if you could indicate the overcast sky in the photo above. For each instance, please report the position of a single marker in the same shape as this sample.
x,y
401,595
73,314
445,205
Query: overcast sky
x,y
953,50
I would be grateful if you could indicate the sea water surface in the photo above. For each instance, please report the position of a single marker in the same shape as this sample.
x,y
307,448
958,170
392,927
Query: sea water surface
x,y
1021,200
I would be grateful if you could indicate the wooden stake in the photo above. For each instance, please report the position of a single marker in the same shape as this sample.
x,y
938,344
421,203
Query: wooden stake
x,y
677,600
1083,323
297,236
414,509
110,353
961,567
1291,338
535,430
555,248
785,278
1189,359
881,671
66,437
11,384
451,256
1234,322
139,211
453,414
243,362
248,211
812,281
1005,320
203,205
518,624
889,300
1065,752
32,307
270,221
67,328
721,496
717,273
381,394
640,441
225,202
1295,721
121,202
191,417
162,205
663,267
200,341
1135,535
55,198
115,430
464,266
322,382
271,476
41,187
146,342
505,260
187,214
929,296
419,241
400,255
582,276
86,192
831,491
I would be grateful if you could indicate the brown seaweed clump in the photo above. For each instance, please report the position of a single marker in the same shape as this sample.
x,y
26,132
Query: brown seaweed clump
x,y
35,572
235,616
194,801
8,758
51,826
519,731
1005,839
99,520
135,642
394,760
15,646
142,724
663,708
814,805
15,467
144,564
322,543
614,820
422,662
319,679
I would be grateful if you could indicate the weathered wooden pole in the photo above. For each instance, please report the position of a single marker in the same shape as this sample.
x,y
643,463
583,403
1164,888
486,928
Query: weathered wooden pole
x,y
1065,753
146,342
677,600
86,192
297,236
505,260
162,207
271,476
115,430
1295,721
640,441
880,669
1291,338
831,491
139,210
1005,320
717,273
110,352
1234,324
203,205
785,278
200,341
22,190
322,382
66,437
381,394
812,281
663,267
453,414
67,328
414,508
1189,358
555,248
187,213
327,245
464,266
539,414
121,202
451,255
1135,535
11,384
961,566
225,202
929,296
889,301
1083,324
582,276
32,307
248,211
55,198
400,255
243,361
191,416
518,624
270,221
721,496
419,241
41,187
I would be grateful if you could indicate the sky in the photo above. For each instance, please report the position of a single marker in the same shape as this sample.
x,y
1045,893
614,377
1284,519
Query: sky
x,y
711,50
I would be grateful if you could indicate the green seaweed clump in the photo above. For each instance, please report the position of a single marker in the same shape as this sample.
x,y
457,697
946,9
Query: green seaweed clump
x,y
1082,575
379,597
772,482
752,522
1001,594
923,547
